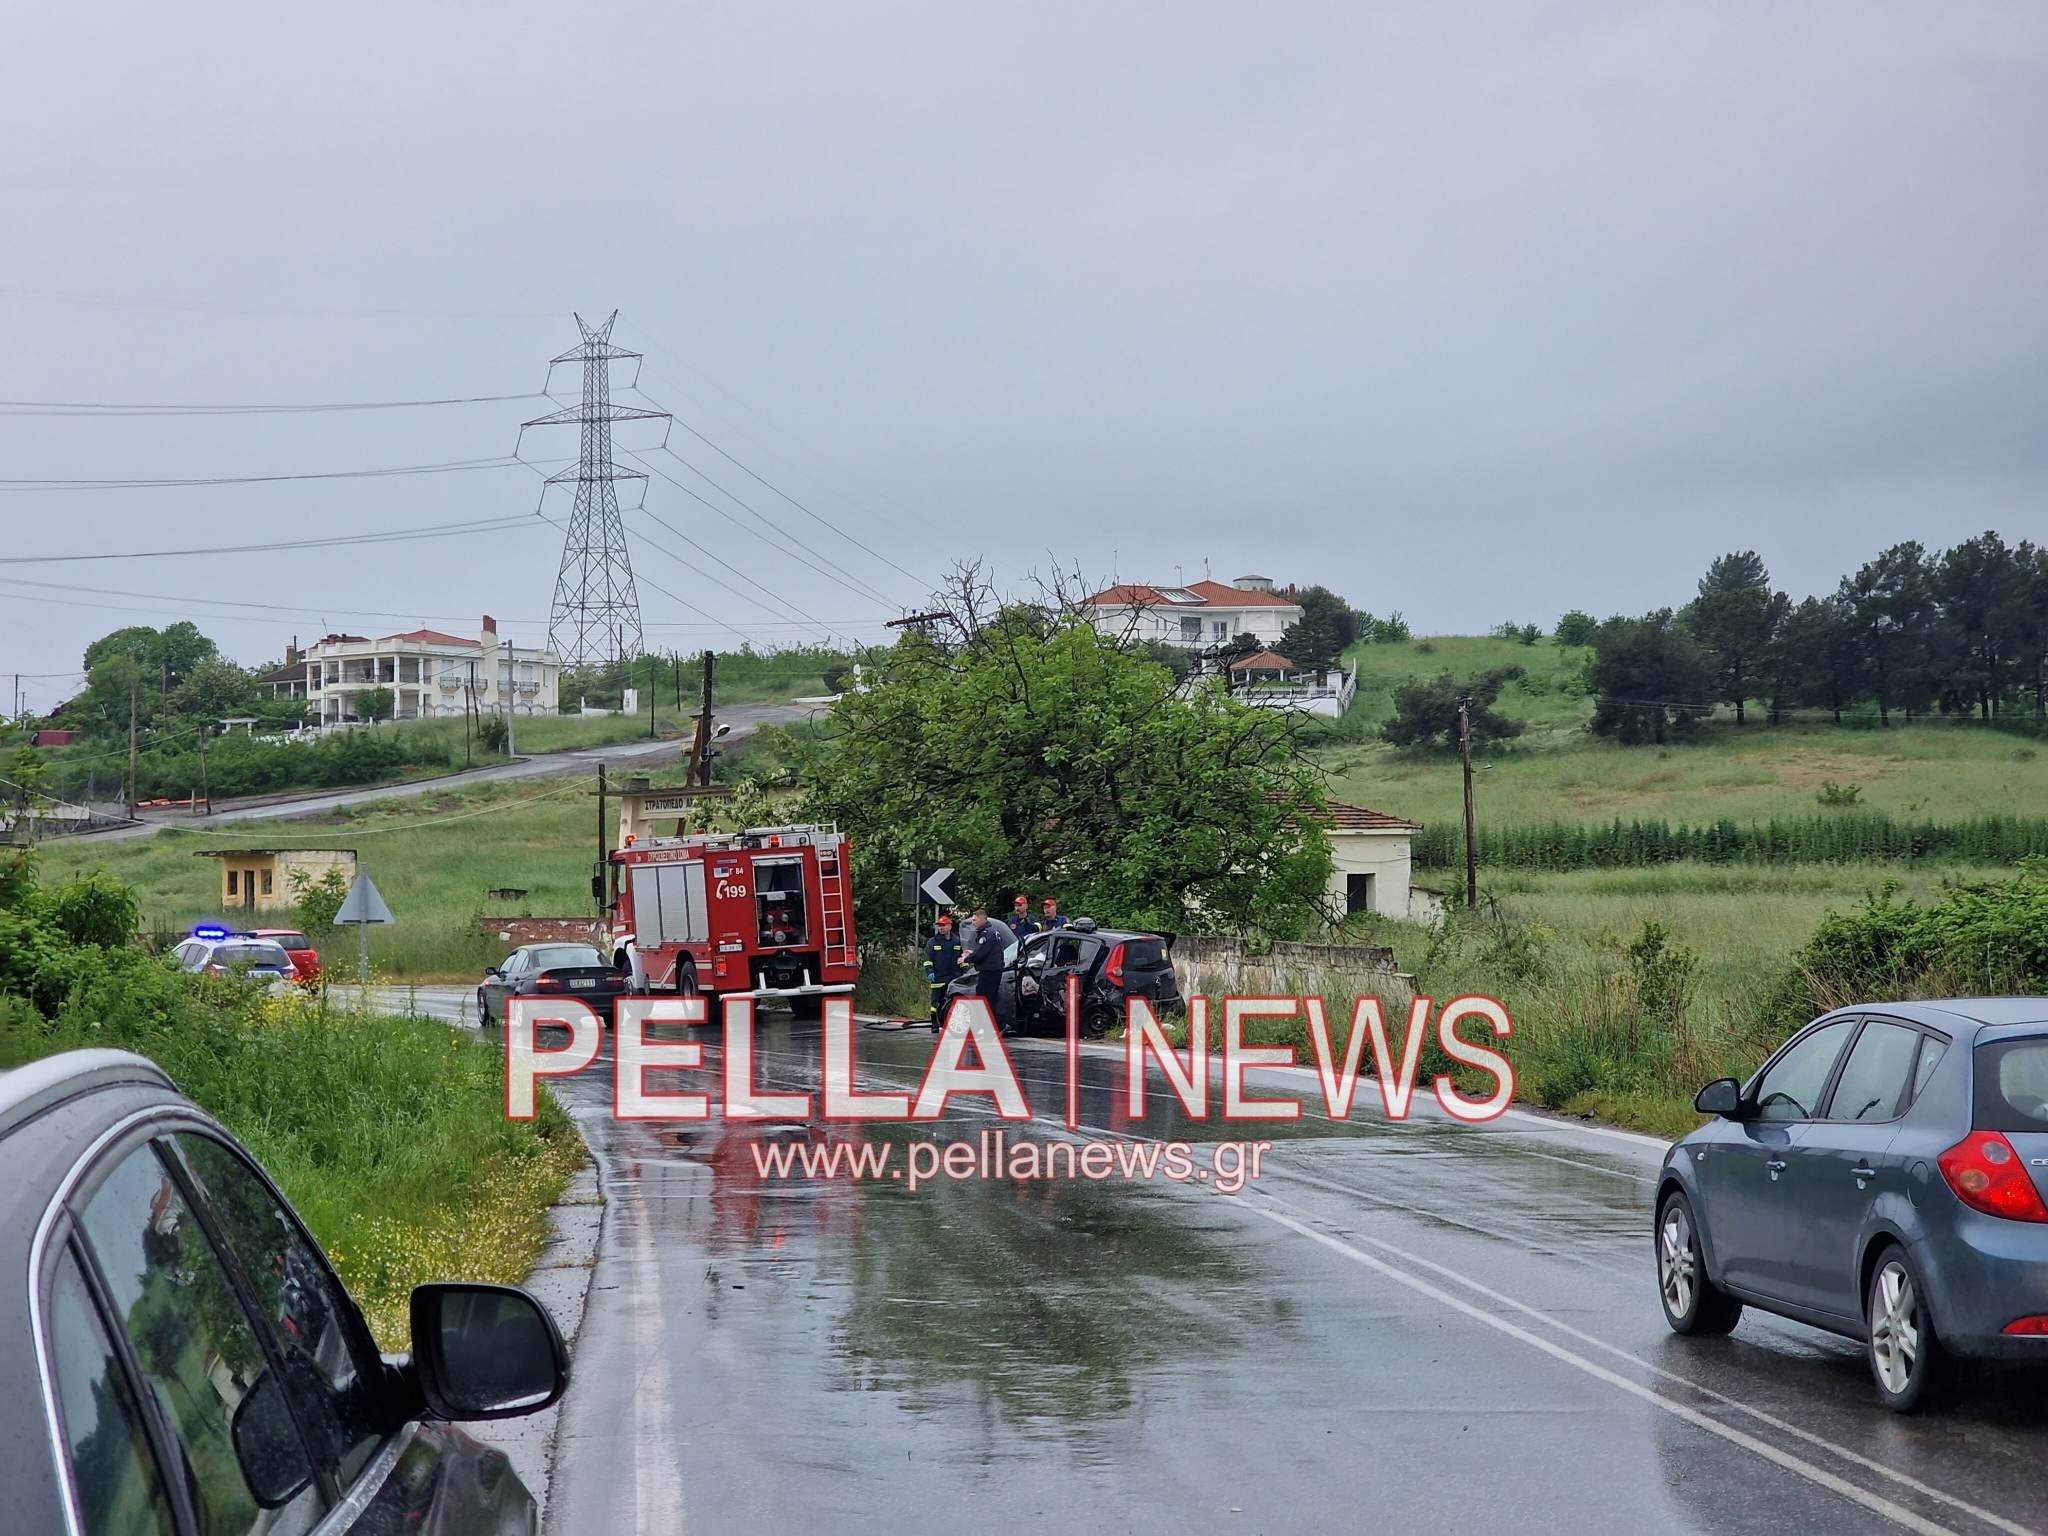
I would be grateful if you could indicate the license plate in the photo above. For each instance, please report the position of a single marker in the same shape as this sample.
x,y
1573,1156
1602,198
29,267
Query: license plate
x,y
585,982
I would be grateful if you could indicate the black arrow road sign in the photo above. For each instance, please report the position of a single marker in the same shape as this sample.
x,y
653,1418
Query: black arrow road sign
x,y
936,886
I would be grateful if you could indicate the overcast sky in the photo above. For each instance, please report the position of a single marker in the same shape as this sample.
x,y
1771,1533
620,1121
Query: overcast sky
x,y
1471,311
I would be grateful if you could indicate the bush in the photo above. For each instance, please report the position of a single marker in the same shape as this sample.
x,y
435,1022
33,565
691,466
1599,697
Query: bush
x,y
1984,938
1576,628
94,909
491,733
1832,793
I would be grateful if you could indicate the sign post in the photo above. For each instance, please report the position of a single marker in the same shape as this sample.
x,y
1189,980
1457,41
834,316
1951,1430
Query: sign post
x,y
363,907
922,885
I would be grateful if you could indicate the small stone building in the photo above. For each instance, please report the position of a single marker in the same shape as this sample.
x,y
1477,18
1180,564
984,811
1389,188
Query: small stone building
x,y
259,879
1373,861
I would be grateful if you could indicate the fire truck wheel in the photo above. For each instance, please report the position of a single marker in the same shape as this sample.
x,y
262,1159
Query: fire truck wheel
x,y
810,1007
686,980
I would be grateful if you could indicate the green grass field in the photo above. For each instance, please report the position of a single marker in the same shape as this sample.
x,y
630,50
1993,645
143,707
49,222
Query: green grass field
x,y
1556,771
434,858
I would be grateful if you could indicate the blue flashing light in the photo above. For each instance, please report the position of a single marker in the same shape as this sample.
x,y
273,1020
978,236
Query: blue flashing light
x,y
211,931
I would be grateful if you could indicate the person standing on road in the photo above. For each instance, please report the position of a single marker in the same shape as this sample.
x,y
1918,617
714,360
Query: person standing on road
x,y
1021,922
987,943
1050,918
941,962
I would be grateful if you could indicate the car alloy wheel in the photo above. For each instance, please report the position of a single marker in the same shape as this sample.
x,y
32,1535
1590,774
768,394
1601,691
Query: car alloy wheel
x,y
483,1012
1693,1304
1906,1356
1677,1263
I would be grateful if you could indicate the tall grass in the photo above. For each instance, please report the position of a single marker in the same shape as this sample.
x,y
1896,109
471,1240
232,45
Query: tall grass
x,y
1839,837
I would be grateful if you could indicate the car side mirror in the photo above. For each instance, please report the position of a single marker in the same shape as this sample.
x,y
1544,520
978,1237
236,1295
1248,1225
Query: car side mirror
x,y
267,1445
492,970
485,1351
1723,1096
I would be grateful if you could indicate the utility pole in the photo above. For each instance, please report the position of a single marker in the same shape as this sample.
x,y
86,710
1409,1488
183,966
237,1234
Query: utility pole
x,y
1465,756
701,745
510,749
650,695
603,852
205,791
131,746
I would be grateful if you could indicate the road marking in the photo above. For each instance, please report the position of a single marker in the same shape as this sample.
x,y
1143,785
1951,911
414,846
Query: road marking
x,y
1876,1503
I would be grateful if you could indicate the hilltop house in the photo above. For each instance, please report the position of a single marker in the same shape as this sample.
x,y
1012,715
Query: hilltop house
x,y
1198,615
429,673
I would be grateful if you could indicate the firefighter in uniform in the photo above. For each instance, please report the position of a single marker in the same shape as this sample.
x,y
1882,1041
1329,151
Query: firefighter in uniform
x,y
1050,918
941,962
1022,923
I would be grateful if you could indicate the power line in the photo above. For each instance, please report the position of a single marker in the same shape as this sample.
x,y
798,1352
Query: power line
x,y
816,517
94,408
452,466
417,616
743,576
787,552
93,301
433,531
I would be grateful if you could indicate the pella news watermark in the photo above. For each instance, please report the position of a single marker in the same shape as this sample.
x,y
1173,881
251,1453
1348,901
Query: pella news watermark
x,y
969,1059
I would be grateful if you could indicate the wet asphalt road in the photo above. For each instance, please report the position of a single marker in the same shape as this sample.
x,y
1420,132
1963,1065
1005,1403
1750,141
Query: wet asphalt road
x,y
1423,1325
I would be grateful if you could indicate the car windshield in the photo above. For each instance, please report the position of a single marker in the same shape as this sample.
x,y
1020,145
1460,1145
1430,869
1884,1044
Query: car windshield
x,y
290,940
252,955
2012,1085
563,955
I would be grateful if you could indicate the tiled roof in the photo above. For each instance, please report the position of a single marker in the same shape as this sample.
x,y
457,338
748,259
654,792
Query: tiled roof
x,y
1207,594
431,637
1356,818
1263,661
1217,595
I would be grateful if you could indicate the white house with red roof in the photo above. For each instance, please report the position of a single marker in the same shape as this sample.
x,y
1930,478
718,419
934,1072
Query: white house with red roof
x,y
1198,615
429,673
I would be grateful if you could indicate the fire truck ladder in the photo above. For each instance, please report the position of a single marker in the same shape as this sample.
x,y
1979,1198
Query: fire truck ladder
x,y
832,887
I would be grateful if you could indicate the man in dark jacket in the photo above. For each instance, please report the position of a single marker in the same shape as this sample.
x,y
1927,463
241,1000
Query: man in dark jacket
x,y
941,962
987,941
1050,919
1020,920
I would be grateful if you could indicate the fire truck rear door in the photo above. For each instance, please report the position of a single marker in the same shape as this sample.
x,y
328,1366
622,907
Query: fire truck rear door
x,y
668,904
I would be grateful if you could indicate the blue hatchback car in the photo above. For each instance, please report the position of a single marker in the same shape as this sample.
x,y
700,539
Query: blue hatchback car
x,y
1885,1177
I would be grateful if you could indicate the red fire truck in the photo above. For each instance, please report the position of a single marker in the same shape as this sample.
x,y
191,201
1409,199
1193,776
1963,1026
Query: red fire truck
x,y
764,913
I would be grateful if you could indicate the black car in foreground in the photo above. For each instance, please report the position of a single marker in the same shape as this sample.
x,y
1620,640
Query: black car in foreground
x,y
550,970
1114,965
180,1357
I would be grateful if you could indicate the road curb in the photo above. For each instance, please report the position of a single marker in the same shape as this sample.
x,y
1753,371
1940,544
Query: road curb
x,y
560,1280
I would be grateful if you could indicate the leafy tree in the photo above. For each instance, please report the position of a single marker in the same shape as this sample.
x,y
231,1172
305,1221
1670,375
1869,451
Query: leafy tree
x,y
1426,710
1892,598
1735,616
374,704
1327,628
1032,753
1576,628
1816,658
1983,589
215,690
1392,630
1650,679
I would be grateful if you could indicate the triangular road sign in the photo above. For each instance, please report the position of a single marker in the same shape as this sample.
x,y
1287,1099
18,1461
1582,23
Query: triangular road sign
x,y
364,905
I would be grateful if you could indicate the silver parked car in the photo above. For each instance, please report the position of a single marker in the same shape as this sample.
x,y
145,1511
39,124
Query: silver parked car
x,y
1885,1177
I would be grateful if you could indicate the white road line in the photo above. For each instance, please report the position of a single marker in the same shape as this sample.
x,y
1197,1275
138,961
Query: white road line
x,y
1871,1501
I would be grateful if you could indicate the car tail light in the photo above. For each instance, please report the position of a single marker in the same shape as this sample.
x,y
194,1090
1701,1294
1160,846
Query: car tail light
x,y
1987,1176
1113,967
2035,1327
546,984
